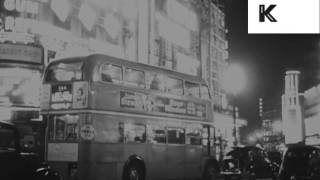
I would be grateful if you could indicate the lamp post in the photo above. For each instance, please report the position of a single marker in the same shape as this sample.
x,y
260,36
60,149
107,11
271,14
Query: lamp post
x,y
234,82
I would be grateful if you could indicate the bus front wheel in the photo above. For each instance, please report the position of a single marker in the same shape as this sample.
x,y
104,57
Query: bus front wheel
x,y
211,172
133,172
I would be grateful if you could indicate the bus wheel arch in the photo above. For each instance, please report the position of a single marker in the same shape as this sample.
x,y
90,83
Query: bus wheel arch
x,y
211,169
134,168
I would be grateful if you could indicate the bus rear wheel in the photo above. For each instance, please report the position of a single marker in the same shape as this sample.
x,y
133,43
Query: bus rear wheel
x,y
133,172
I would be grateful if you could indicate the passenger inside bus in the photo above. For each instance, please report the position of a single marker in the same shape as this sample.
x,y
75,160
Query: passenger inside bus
x,y
106,77
157,82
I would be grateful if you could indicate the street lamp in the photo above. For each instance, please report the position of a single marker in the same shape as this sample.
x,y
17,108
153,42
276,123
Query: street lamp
x,y
234,82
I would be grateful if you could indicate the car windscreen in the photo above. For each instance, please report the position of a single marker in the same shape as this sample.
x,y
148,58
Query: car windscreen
x,y
7,139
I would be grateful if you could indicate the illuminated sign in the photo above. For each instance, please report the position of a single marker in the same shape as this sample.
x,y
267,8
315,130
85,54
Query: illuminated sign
x,y
19,87
148,103
61,96
19,52
21,6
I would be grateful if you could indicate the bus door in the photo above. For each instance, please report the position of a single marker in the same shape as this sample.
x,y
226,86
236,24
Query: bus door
x,y
208,141
157,156
62,144
176,151
193,150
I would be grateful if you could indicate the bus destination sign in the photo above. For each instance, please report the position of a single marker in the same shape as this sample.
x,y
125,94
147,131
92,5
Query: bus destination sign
x,y
148,103
61,96
21,52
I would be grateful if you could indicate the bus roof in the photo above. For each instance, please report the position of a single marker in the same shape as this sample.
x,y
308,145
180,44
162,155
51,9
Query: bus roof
x,y
91,61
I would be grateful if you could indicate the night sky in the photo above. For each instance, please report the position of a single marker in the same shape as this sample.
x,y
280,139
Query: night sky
x,y
265,57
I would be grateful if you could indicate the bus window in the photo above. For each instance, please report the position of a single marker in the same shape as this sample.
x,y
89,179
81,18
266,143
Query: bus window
x,y
134,77
192,89
64,127
110,73
174,86
108,131
156,82
135,133
193,135
205,136
156,134
64,71
176,135
212,136
204,90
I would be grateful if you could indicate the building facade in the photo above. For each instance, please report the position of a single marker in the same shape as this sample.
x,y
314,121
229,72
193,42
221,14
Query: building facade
x,y
272,134
172,34
311,115
182,35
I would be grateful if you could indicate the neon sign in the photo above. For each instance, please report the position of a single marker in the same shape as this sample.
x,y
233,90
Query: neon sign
x,y
19,52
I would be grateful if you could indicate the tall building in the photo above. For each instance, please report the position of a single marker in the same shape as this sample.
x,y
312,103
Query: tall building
x,y
214,58
292,111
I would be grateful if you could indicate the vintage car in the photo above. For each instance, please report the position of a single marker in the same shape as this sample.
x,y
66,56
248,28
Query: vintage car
x,y
16,164
248,162
300,162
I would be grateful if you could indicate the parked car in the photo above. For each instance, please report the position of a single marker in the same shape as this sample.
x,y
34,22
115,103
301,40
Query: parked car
x,y
275,156
300,162
248,162
15,164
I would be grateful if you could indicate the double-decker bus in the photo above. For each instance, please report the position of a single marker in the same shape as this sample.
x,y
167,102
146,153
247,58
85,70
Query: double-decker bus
x,y
21,66
109,118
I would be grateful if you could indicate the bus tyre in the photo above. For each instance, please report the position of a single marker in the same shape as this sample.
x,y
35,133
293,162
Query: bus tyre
x,y
133,172
210,172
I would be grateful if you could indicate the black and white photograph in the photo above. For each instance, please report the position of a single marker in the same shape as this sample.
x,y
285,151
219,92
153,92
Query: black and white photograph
x,y
160,89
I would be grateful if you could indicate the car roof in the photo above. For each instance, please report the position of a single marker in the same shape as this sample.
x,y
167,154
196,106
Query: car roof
x,y
241,150
297,147
7,125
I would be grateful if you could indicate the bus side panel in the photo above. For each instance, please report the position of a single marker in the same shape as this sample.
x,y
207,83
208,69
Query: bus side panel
x,y
193,161
104,97
176,161
157,161
138,149
99,161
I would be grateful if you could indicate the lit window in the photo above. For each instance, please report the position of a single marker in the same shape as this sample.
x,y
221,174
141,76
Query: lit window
x,y
64,72
135,133
156,134
176,135
192,89
174,86
193,135
110,73
134,77
156,82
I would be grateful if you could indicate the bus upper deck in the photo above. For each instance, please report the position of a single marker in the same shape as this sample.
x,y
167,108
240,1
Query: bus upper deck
x,y
90,82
